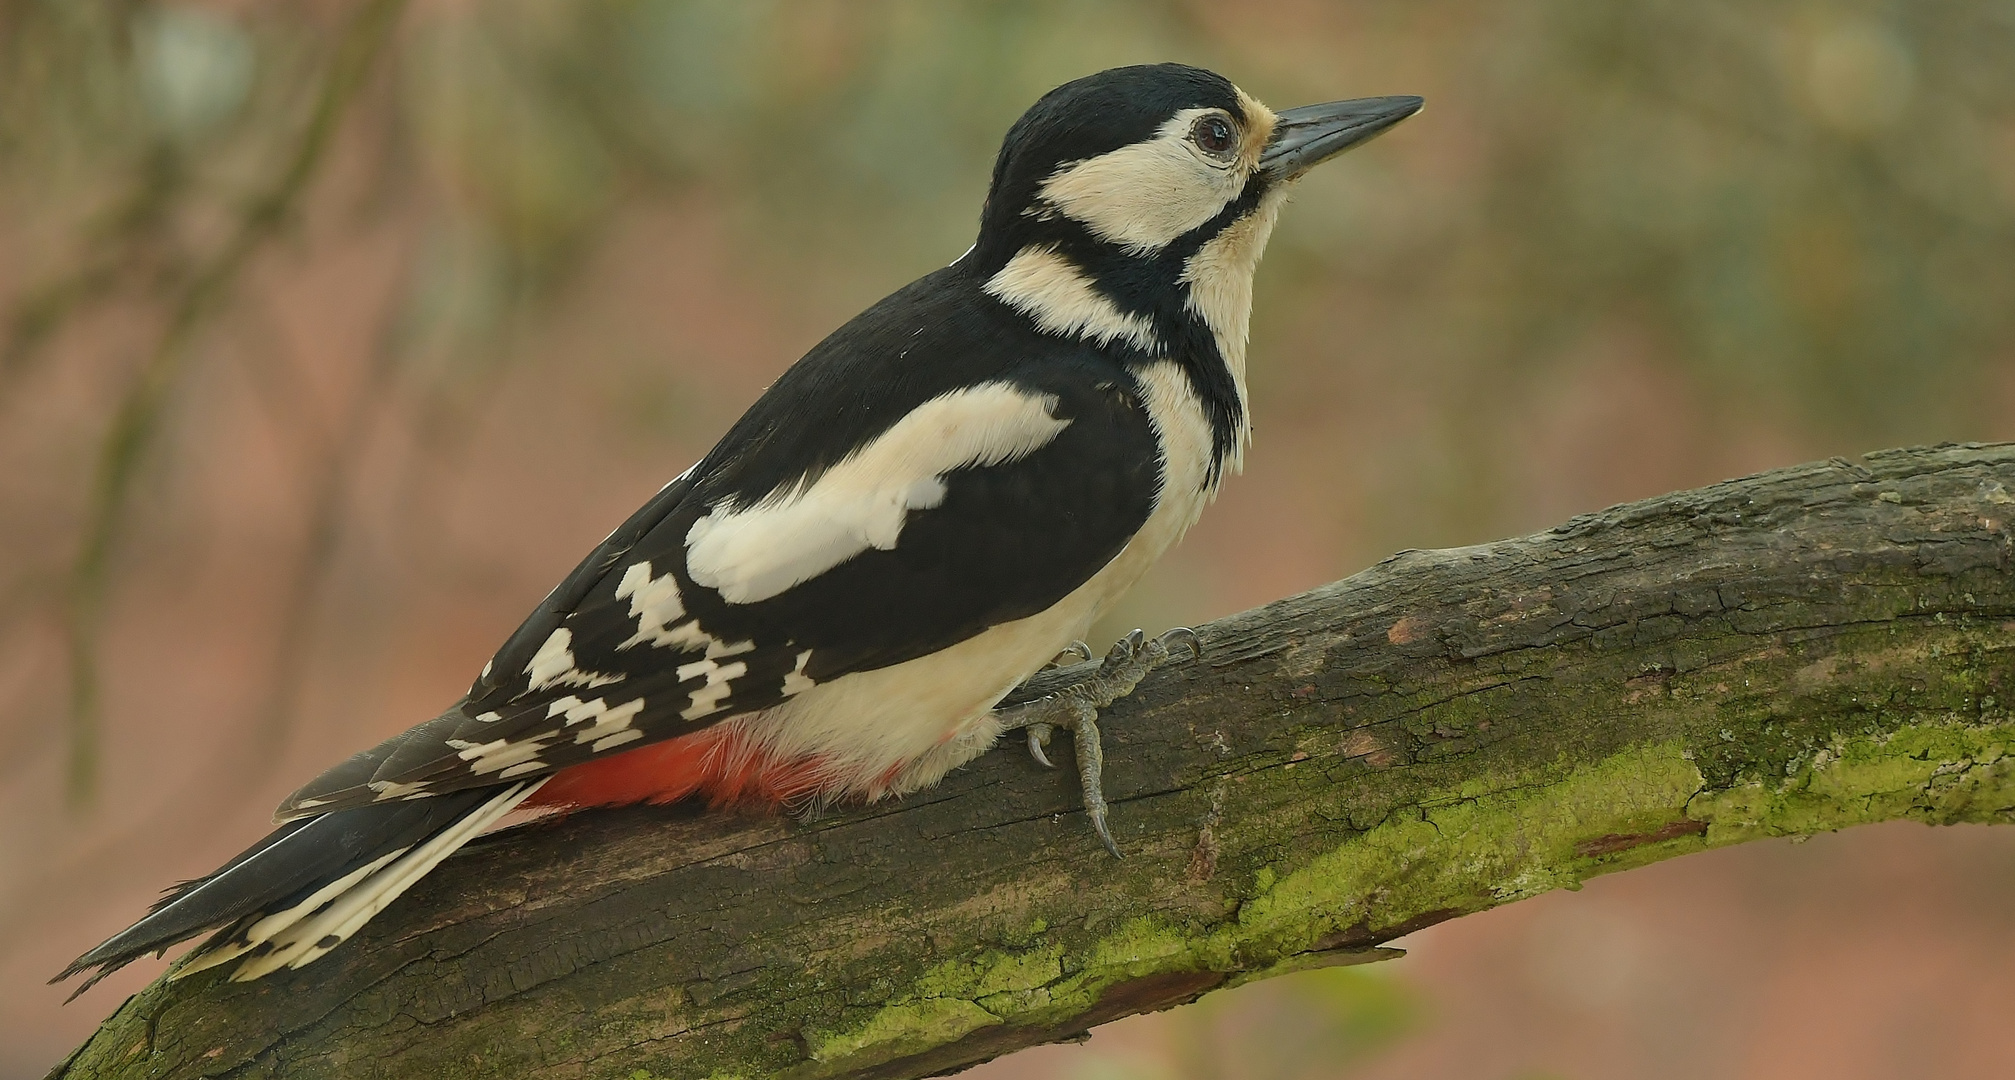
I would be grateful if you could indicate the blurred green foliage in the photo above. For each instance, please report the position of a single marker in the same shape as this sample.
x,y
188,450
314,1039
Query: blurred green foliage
x,y
1807,202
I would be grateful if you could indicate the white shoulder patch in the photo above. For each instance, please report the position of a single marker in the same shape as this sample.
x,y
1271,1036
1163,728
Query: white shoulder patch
x,y
1042,284
801,530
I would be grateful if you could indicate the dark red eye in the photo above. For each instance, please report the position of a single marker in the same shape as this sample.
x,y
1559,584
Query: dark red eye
x,y
1213,135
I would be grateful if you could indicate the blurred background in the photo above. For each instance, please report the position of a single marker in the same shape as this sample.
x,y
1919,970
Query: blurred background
x,y
332,333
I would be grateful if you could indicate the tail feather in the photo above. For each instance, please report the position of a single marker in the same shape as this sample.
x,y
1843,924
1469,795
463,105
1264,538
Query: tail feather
x,y
258,928
299,872
303,942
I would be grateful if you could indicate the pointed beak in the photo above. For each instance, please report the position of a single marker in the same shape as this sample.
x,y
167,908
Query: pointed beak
x,y
1312,134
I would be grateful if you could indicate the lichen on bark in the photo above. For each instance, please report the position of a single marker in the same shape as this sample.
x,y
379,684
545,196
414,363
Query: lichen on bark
x,y
1800,651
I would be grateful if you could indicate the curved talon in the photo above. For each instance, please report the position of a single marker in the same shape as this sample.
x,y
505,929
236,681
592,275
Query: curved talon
x,y
1038,738
1090,774
1122,651
1104,835
1077,650
1187,637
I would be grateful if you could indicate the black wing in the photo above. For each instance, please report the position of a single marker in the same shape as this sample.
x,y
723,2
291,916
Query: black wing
x,y
632,649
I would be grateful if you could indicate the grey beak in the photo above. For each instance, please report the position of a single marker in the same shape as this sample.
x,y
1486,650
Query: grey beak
x,y
1307,136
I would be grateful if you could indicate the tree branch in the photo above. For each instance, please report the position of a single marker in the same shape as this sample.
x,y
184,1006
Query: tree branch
x,y
1795,652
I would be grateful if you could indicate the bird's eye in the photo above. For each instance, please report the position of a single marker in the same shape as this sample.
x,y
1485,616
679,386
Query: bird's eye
x,y
1214,136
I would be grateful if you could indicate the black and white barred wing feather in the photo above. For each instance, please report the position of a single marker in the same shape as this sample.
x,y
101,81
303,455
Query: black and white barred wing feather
x,y
953,503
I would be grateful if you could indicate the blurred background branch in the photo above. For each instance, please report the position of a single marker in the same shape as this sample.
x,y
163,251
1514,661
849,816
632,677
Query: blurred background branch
x,y
334,331
138,413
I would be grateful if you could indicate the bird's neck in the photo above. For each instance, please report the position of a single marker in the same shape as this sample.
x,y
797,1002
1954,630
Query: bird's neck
x,y
1217,299
1189,304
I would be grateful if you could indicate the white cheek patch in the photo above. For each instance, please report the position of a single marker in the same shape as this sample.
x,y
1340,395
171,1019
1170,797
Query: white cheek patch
x,y
1042,284
801,530
1145,195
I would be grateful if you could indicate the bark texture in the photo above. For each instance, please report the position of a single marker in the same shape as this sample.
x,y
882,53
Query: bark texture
x,y
1794,652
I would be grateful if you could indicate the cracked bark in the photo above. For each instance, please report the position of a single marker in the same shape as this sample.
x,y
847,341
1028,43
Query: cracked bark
x,y
1794,652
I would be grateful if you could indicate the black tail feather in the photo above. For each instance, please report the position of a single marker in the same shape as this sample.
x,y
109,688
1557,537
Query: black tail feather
x,y
279,871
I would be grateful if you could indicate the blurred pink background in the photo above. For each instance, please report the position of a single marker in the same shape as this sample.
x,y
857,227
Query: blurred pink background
x,y
548,252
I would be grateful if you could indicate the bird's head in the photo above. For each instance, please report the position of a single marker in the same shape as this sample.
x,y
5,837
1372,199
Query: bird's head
x,y
1145,185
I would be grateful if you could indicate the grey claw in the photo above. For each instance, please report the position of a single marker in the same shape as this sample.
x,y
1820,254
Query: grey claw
x,y
1078,651
1038,736
1091,774
1104,834
1186,636
1122,650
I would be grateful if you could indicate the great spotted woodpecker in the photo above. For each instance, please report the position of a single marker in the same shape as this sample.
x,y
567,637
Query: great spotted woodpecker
x,y
932,504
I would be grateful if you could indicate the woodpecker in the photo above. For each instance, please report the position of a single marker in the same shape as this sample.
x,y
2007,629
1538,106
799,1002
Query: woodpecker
x,y
932,504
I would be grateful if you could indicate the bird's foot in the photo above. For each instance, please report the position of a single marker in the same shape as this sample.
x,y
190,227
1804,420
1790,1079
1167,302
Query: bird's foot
x,y
1075,707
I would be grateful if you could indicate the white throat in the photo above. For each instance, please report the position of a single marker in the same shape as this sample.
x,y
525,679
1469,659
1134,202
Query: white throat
x,y
1219,277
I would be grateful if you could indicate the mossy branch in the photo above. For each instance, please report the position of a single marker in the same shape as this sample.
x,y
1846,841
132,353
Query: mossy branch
x,y
1795,652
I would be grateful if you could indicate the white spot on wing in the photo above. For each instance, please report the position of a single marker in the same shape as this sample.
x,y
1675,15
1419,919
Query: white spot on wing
x,y
500,754
1042,284
795,681
553,659
656,604
606,719
618,739
803,529
387,790
553,665
707,699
